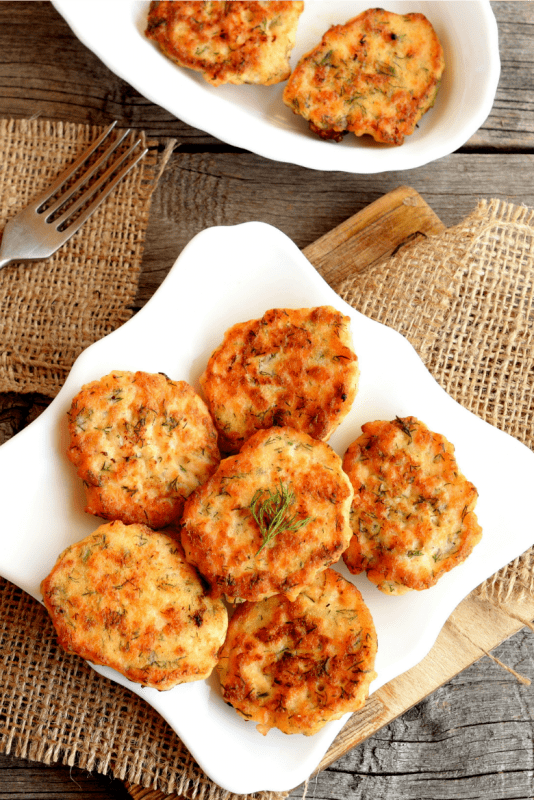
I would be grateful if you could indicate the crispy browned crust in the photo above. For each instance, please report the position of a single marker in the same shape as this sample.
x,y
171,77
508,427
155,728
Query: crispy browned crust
x,y
292,367
377,74
412,514
235,42
297,665
222,538
141,443
126,598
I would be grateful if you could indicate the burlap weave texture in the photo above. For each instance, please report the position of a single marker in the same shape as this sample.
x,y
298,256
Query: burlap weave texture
x,y
54,309
464,299
53,707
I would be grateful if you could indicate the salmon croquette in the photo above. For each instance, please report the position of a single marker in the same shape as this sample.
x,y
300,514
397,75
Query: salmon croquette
x,y
297,665
125,597
292,367
141,443
237,42
377,74
270,518
412,515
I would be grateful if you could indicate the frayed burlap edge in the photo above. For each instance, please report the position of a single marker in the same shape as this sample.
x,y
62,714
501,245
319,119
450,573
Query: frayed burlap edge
x,y
432,293
465,300
53,309
55,709
438,296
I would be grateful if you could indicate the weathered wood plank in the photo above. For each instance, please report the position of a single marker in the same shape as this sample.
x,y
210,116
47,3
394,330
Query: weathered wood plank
x,y
45,70
511,122
470,739
25,780
473,737
382,228
17,411
200,190
474,628
474,625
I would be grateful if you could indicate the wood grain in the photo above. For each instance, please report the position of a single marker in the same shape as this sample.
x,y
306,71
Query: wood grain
x,y
25,779
395,220
72,83
476,626
199,190
469,739
473,737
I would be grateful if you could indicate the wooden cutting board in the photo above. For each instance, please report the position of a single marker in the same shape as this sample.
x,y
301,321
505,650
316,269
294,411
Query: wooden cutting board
x,y
392,222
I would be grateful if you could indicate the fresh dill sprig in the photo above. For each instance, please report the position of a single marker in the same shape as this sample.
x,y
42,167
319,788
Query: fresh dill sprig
x,y
270,510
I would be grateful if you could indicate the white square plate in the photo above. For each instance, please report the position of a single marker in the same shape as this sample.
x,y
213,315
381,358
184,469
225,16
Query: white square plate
x,y
226,275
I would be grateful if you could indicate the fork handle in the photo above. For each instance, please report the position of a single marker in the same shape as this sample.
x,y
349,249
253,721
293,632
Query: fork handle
x,y
4,261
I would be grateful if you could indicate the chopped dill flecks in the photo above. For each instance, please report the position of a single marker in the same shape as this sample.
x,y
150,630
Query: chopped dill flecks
x,y
404,427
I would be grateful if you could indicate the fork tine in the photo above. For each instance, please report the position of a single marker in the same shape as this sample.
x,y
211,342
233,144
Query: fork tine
x,y
71,191
61,179
71,229
93,188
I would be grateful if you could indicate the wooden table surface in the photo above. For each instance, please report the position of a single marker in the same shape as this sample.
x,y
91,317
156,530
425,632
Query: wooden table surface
x,y
474,737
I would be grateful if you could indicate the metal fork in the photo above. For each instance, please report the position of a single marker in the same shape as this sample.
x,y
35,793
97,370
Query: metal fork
x,y
39,230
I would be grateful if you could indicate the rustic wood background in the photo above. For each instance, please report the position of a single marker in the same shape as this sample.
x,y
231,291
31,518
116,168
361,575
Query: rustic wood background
x,y
472,738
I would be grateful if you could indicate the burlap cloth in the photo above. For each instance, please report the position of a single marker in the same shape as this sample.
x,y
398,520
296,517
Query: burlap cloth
x,y
463,298
53,310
